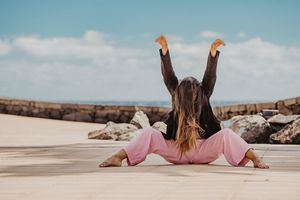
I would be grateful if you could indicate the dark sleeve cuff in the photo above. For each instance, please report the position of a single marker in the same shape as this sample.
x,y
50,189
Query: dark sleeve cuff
x,y
161,53
217,55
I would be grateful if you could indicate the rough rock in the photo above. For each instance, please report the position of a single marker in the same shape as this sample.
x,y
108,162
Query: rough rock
x,y
279,121
282,119
290,134
161,126
252,128
140,120
276,127
112,131
225,123
268,113
129,135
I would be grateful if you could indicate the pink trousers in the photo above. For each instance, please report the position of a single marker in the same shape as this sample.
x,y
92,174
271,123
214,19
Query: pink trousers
x,y
224,142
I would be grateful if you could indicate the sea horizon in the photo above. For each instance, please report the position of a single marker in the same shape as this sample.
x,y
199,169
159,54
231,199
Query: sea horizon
x,y
214,103
160,103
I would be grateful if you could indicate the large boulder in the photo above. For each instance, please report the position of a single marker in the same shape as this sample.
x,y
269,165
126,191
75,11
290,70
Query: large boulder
x,y
140,120
283,119
112,131
122,131
129,135
279,121
268,113
290,134
160,126
225,123
252,128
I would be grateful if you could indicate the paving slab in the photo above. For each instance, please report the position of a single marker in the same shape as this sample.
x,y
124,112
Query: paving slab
x,y
53,159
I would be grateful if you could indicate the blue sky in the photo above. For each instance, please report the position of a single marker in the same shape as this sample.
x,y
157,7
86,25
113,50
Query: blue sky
x,y
276,21
31,31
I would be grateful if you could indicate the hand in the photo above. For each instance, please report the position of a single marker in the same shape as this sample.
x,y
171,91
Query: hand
x,y
161,40
163,43
215,45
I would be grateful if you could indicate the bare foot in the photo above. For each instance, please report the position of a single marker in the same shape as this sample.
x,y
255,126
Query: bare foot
x,y
260,164
113,161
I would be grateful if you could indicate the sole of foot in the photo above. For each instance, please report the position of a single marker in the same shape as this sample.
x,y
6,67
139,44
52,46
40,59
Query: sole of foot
x,y
111,162
261,165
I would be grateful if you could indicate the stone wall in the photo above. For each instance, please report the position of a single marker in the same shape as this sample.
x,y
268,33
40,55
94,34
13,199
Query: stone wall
x,y
286,107
103,114
79,112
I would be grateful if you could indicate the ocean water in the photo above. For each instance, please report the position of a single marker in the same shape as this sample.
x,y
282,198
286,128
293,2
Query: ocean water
x,y
154,103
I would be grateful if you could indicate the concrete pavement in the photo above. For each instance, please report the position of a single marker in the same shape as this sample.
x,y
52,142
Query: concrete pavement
x,y
52,159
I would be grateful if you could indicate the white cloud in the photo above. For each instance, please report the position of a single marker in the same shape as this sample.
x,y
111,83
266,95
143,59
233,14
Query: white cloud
x,y
241,34
90,67
92,44
94,67
211,34
5,48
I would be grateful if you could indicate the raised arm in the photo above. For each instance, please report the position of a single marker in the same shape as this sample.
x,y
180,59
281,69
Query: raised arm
x,y
167,71
210,74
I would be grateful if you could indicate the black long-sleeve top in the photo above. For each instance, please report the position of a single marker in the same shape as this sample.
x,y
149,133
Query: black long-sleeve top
x,y
206,118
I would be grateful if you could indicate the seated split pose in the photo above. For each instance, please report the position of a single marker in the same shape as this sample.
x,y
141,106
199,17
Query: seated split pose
x,y
194,134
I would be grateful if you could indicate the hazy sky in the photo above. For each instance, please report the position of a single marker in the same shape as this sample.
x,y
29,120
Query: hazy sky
x,y
105,50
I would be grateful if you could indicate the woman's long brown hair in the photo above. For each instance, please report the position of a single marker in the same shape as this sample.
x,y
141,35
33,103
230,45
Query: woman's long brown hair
x,y
186,108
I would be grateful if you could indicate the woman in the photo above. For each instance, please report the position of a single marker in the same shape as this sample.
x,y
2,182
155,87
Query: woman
x,y
194,134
